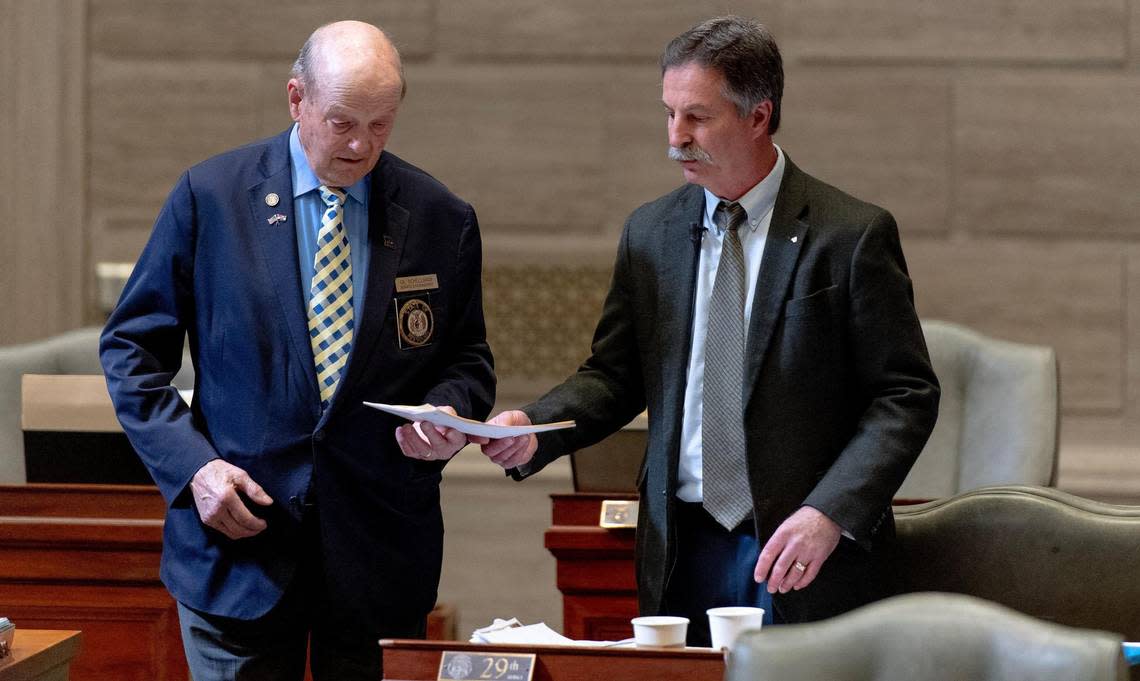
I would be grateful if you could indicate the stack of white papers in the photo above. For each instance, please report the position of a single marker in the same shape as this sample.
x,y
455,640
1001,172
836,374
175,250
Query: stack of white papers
x,y
426,412
513,632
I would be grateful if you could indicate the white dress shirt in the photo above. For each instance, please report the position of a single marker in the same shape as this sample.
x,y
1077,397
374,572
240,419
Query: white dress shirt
x,y
757,203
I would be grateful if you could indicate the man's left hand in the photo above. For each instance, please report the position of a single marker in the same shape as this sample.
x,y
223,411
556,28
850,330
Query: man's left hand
x,y
796,551
429,442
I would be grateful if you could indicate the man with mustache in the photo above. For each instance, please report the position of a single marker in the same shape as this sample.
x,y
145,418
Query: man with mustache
x,y
766,320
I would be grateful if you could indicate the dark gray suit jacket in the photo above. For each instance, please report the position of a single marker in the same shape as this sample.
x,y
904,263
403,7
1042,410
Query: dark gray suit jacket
x,y
839,392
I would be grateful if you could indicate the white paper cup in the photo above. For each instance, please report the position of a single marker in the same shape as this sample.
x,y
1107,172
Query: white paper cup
x,y
725,624
660,631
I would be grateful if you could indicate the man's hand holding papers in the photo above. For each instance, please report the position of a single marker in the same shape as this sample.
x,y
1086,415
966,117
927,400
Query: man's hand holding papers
x,y
509,436
510,451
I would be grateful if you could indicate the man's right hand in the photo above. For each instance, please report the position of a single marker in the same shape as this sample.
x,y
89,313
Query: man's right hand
x,y
509,452
215,488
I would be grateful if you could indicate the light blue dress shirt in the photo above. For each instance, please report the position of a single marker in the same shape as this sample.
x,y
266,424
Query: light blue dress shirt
x,y
758,203
307,209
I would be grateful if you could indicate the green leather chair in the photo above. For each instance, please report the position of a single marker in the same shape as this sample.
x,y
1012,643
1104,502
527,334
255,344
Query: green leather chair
x,y
1039,550
997,418
927,637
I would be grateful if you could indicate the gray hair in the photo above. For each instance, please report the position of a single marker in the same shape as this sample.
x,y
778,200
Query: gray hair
x,y
304,71
744,52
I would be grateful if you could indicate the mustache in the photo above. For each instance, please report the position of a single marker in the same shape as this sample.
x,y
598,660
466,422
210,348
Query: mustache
x,y
689,152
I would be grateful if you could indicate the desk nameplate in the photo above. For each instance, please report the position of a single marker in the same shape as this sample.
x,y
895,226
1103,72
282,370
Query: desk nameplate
x,y
618,514
407,660
466,665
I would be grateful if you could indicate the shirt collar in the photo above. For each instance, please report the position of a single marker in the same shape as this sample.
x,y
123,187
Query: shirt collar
x,y
305,180
758,201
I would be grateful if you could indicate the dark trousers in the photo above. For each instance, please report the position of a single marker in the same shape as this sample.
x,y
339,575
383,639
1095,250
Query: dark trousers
x,y
714,568
273,647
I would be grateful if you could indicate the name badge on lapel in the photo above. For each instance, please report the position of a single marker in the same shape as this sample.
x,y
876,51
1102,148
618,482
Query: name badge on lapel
x,y
415,323
419,282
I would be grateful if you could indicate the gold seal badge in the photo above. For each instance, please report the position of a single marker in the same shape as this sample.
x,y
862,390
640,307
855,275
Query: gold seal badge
x,y
415,323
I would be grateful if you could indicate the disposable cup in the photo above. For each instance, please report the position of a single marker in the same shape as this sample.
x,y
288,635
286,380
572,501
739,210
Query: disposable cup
x,y
660,631
725,624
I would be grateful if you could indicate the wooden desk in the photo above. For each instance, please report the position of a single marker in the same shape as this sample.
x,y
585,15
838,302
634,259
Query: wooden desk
x,y
419,661
39,655
594,568
87,557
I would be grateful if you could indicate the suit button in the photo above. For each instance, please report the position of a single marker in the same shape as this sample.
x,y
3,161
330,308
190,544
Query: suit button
x,y
319,436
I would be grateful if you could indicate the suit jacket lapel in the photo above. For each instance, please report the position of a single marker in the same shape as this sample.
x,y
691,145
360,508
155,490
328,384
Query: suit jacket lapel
x,y
278,241
678,282
786,236
680,249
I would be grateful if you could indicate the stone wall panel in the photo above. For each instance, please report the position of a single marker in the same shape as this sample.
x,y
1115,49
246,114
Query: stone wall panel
x,y
970,30
1050,154
1069,296
191,29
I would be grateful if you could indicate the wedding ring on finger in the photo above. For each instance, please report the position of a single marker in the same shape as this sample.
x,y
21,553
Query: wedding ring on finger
x,y
799,566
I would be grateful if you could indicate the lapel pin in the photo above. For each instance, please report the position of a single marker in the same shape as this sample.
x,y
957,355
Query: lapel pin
x,y
272,199
389,243
277,218
795,239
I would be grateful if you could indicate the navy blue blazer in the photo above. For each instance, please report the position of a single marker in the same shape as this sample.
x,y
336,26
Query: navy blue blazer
x,y
221,271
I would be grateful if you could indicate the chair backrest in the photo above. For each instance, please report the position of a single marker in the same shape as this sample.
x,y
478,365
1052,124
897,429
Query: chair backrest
x,y
927,637
1038,550
74,352
997,419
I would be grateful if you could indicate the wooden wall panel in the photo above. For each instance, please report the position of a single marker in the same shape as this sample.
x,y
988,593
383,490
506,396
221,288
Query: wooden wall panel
x,y
523,144
971,30
87,558
578,28
1069,296
194,28
1048,153
882,135
130,633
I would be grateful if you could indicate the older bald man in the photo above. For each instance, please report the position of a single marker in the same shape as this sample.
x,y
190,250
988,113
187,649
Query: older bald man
x,y
310,271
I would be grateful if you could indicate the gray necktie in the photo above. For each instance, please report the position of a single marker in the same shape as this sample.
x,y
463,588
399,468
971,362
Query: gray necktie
x,y
726,493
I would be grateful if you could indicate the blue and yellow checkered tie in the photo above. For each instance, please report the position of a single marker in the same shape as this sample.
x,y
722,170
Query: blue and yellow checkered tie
x,y
330,308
